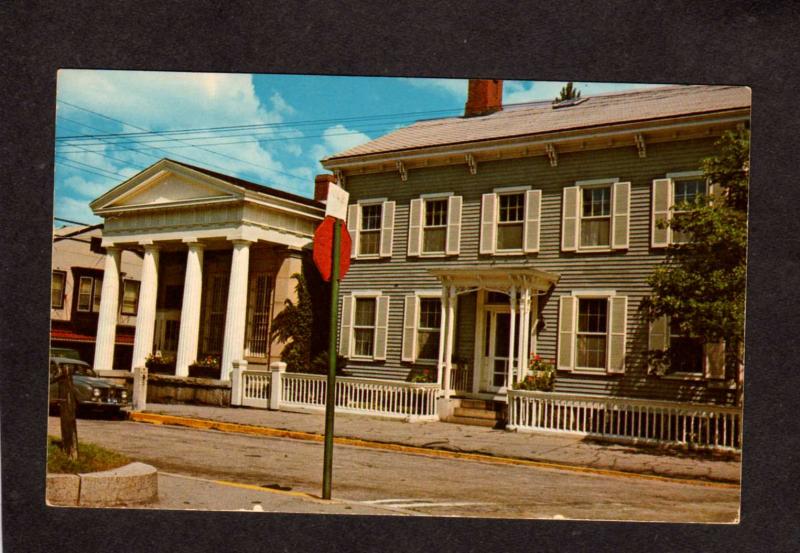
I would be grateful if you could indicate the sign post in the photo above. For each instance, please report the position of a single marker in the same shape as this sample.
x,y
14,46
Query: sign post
x,y
332,258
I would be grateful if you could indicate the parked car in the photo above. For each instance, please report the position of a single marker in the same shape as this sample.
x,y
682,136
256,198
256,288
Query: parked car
x,y
91,392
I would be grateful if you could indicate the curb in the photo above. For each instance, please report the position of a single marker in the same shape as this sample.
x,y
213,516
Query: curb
x,y
134,483
207,424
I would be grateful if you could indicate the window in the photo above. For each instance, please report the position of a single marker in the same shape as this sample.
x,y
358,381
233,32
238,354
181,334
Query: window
x,y
260,299
428,329
370,231
510,221
364,327
686,353
595,216
686,193
57,289
435,227
85,286
130,297
592,333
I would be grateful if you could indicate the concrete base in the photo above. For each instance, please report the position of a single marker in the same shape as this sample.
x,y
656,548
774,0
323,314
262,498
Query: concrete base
x,y
63,489
132,484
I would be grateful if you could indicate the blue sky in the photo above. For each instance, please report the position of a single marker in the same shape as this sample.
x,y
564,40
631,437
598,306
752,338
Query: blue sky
x,y
282,124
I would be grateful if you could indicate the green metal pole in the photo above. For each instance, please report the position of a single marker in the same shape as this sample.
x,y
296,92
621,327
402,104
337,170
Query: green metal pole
x,y
327,469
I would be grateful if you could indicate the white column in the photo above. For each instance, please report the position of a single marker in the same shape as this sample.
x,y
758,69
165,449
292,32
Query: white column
x,y
525,331
236,313
442,334
448,352
146,315
512,338
190,310
107,319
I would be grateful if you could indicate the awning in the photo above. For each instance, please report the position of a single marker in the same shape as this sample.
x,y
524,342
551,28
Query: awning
x,y
494,277
63,335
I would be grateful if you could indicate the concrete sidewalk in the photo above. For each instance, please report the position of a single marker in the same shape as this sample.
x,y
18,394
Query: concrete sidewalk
x,y
567,451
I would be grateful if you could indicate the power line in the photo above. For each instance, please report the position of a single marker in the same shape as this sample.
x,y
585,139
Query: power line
x,y
64,161
111,173
254,126
199,147
72,222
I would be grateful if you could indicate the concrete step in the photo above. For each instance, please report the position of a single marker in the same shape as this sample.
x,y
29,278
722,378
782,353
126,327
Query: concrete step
x,y
472,421
478,413
479,404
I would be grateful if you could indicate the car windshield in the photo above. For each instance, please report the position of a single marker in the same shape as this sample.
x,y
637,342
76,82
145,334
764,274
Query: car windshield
x,y
80,370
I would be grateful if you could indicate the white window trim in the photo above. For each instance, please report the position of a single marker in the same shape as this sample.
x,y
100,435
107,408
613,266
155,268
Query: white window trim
x,y
588,184
424,198
122,299
367,202
63,275
508,191
592,295
364,294
426,294
686,376
684,175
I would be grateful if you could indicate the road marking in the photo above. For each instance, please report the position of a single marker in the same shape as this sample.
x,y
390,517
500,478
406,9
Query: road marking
x,y
207,424
301,495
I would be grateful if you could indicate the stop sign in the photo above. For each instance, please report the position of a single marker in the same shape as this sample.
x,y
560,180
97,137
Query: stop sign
x,y
323,248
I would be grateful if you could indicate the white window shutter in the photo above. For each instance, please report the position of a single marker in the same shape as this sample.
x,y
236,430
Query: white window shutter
x,y
616,336
415,226
387,228
662,202
488,223
410,316
533,211
453,242
381,327
715,360
345,336
353,224
570,218
620,220
567,316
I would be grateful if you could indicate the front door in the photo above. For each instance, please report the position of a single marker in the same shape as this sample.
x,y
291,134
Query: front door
x,y
497,334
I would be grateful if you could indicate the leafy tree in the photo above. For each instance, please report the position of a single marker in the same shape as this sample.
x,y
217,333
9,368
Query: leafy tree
x,y
568,92
701,283
302,326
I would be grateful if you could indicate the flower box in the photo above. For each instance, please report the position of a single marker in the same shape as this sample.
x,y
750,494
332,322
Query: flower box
x,y
204,371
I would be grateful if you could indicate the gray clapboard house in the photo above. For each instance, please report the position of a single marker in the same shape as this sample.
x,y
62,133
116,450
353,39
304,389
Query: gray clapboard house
x,y
482,240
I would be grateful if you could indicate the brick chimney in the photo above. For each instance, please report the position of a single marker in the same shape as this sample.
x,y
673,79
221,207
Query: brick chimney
x,y
321,183
484,96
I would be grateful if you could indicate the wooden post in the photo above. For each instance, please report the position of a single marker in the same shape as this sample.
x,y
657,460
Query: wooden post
x,y
66,410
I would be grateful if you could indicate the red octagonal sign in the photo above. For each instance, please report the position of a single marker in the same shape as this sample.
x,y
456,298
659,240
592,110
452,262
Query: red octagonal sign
x,y
323,248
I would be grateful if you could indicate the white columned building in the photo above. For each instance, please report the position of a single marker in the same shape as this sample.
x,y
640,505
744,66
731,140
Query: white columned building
x,y
190,309
218,256
107,318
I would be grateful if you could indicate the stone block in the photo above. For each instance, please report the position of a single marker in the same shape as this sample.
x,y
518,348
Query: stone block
x,y
63,489
132,484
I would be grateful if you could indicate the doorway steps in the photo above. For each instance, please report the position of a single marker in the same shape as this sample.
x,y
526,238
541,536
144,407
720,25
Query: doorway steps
x,y
479,412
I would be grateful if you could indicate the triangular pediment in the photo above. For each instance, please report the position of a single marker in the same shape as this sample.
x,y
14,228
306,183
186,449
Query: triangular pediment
x,y
163,184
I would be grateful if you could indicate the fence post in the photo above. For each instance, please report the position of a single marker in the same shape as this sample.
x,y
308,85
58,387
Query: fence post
x,y
139,388
276,370
237,381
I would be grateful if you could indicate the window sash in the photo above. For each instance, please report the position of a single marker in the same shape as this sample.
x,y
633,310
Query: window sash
x,y
57,290
96,293
85,285
130,297
429,329
511,208
681,197
687,355
364,324
595,219
592,333
371,217
434,228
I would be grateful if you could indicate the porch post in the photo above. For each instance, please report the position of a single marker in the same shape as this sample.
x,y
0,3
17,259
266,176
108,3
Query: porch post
x,y
190,309
524,340
448,356
442,334
235,315
107,319
512,338
146,317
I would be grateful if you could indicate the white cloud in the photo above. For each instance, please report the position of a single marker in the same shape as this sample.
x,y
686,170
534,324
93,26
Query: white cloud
x,y
89,189
168,101
454,88
335,139
74,210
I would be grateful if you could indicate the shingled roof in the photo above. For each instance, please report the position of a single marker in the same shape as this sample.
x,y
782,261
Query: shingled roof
x,y
540,117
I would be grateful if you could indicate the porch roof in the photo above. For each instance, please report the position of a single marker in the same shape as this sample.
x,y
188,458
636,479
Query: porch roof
x,y
492,276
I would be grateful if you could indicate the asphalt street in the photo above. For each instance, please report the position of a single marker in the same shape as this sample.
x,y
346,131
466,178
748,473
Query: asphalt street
x,y
241,472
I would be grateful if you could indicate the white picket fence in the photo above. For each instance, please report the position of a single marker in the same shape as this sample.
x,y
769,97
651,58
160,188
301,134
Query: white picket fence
x,y
277,389
640,421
